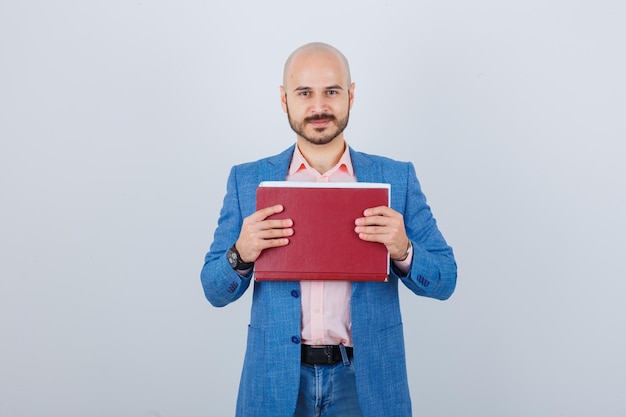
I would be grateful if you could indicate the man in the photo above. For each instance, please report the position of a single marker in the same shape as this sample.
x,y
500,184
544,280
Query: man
x,y
325,348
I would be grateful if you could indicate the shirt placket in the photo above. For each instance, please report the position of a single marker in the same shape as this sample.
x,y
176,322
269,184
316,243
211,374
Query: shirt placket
x,y
317,301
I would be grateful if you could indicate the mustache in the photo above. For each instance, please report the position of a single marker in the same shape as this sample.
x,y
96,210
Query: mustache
x,y
317,117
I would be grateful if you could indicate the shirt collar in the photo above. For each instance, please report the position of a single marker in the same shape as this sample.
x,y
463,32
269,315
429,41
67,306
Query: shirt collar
x,y
299,163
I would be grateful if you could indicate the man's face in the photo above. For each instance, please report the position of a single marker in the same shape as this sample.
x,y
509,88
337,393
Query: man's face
x,y
317,97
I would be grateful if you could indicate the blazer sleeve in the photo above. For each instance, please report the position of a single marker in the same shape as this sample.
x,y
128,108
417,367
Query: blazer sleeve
x,y
222,285
433,269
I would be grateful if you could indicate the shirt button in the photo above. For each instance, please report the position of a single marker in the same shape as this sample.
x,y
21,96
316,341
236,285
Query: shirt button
x,y
295,294
295,339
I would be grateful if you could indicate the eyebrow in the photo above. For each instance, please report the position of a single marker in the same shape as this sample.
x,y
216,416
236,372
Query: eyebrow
x,y
330,87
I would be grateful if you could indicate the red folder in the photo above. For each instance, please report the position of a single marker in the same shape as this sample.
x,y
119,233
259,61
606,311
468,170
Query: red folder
x,y
324,244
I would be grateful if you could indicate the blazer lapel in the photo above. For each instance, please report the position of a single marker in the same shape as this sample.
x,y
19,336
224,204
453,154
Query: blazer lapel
x,y
365,169
275,168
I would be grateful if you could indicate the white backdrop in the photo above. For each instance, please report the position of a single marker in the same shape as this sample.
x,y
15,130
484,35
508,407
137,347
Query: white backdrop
x,y
119,121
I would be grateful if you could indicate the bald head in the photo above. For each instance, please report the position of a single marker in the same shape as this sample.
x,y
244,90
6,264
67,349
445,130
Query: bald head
x,y
317,95
314,52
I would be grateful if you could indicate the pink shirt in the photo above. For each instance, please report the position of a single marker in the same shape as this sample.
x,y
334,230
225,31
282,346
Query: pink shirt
x,y
326,304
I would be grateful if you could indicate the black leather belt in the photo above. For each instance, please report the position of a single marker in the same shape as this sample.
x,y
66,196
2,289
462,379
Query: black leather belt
x,y
324,355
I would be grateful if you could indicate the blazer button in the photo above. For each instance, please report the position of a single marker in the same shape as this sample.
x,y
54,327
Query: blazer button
x,y
295,294
295,339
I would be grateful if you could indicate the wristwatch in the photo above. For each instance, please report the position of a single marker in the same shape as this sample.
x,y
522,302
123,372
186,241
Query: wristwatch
x,y
235,261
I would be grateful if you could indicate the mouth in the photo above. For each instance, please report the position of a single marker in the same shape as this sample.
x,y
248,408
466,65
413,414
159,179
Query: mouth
x,y
319,121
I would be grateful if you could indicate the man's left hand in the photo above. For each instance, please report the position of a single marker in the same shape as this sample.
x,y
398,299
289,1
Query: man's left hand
x,y
384,225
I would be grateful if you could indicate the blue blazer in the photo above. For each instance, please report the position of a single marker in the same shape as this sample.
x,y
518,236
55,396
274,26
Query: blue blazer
x,y
271,370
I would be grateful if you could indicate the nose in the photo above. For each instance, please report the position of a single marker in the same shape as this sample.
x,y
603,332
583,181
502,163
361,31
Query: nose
x,y
318,104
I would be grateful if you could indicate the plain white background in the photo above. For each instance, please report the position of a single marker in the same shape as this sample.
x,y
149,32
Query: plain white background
x,y
119,121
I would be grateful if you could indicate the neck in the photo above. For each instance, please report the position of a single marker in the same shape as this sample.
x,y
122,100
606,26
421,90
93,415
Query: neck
x,y
322,157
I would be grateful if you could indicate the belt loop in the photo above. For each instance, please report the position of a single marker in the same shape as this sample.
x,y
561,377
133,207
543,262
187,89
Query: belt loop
x,y
329,354
344,355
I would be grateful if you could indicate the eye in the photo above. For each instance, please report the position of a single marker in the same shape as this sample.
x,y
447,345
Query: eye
x,y
304,93
332,92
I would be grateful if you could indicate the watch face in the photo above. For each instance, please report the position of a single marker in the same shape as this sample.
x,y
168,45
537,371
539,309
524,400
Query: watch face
x,y
232,258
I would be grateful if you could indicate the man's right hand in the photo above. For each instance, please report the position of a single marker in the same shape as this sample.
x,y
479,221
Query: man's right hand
x,y
258,233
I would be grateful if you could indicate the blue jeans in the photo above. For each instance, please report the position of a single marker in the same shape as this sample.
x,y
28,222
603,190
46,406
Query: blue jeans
x,y
328,391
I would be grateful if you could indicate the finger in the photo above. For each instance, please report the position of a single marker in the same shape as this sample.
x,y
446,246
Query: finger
x,y
276,224
372,229
379,211
274,233
382,215
273,243
256,221
264,213
383,238
373,221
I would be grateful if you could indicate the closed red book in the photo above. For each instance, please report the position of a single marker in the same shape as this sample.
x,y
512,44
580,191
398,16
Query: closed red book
x,y
324,244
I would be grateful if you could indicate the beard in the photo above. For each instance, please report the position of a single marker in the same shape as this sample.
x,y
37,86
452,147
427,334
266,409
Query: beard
x,y
324,134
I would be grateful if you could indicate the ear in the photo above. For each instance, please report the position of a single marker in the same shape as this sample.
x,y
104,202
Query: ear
x,y
283,98
351,95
